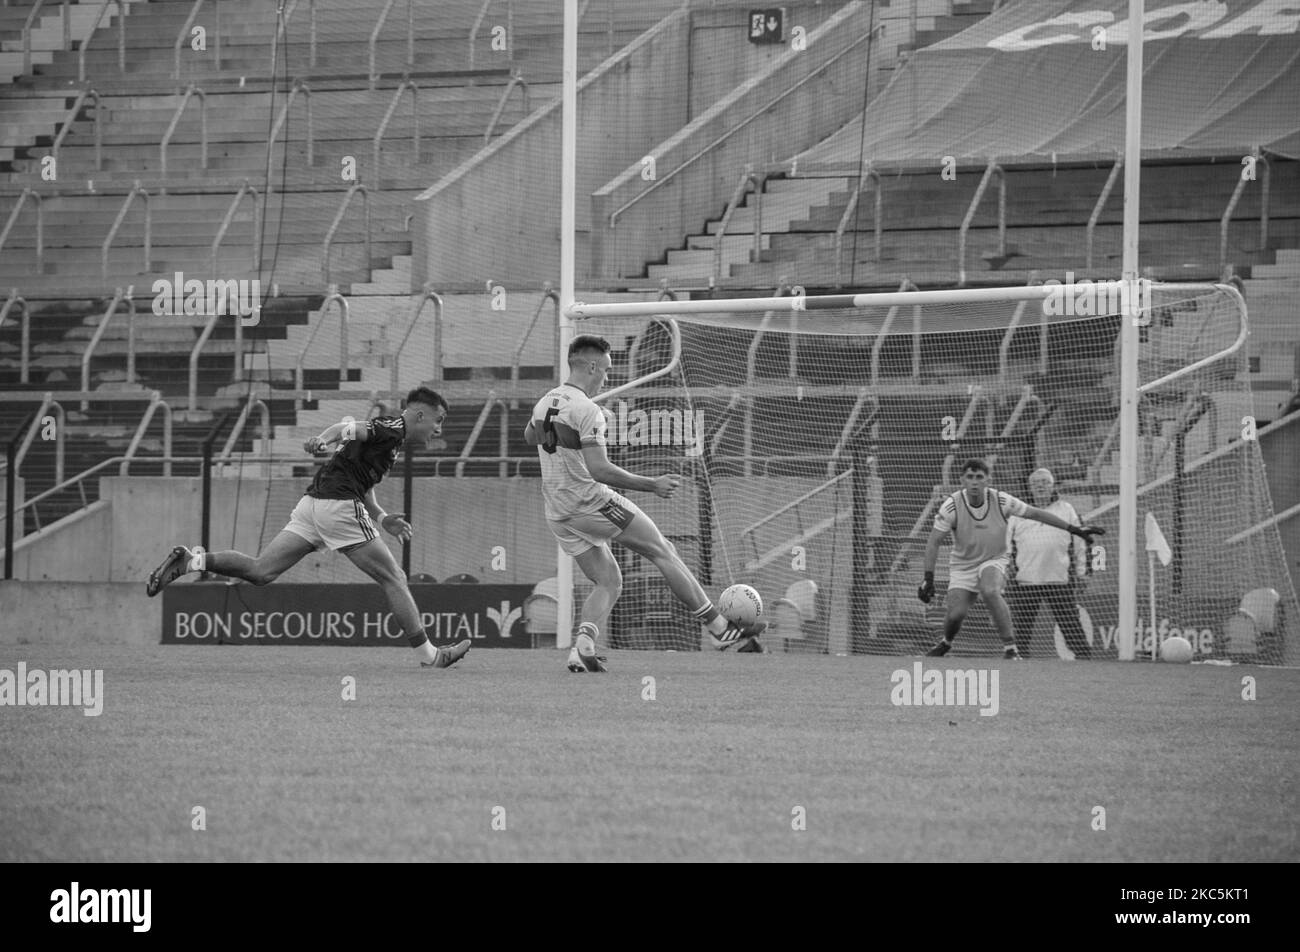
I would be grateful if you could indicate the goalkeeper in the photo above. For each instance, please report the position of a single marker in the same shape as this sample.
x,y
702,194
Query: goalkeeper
x,y
977,518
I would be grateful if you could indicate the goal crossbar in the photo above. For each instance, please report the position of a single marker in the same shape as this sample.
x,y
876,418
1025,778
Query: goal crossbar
x,y
818,302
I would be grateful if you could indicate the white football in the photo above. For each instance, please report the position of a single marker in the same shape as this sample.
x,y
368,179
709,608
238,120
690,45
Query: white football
x,y
1176,650
741,604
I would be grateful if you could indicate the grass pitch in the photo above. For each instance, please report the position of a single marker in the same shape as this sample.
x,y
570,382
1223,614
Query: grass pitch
x,y
723,764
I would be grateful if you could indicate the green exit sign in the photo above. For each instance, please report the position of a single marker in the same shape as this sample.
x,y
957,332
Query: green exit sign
x,y
767,26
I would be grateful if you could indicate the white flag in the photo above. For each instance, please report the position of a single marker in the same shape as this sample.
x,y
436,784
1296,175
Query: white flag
x,y
1156,541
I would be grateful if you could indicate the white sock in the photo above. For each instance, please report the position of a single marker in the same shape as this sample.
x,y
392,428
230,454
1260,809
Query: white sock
x,y
718,625
198,560
427,652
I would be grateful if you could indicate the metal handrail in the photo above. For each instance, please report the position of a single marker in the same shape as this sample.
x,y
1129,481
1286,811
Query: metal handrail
x,y
136,189
121,39
244,189
59,487
851,425
15,299
753,527
1232,446
86,474
35,196
410,38
118,299
803,537
519,462
674,361
356,188
27,34
869,174
764,110
47,403
298,87
724,421
1111,179
211,325
194,357
185,31
977,397
284,22
1027,396
1232,205
1259,527
548,294
427,294
515,80
990,170
404,85
904,285
1004,347
155,402
238,429
751,368
747,178
99,138
478,22
332,296
171,128
491,401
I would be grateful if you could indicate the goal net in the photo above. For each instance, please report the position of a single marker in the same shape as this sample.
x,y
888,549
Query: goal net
x,y
818,442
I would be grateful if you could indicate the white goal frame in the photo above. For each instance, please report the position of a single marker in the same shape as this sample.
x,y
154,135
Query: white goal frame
x,y
1127,501
1130,274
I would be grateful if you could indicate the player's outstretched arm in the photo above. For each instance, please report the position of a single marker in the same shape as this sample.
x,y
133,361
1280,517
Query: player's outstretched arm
x,y
603,471
1051,519
342,431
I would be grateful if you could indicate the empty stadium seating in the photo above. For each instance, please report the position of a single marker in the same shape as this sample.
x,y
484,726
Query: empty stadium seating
x,y
467,94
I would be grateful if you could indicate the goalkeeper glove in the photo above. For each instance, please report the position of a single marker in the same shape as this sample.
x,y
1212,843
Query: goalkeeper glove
x,y
1087,532
926,590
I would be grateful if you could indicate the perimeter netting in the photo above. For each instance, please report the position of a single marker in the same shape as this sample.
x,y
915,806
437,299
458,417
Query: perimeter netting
x,y
818,446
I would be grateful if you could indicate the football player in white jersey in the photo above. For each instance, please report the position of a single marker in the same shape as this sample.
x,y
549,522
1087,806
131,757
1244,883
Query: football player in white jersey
x,y
586,513
977,518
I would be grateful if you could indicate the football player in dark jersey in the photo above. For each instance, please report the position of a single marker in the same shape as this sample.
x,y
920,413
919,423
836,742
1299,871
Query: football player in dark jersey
x,y
339,512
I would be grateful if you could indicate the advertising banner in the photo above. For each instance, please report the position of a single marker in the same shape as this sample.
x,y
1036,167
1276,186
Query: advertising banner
x,y
284,614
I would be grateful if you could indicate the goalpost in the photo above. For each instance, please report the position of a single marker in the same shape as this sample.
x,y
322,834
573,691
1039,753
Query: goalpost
x,y
819,434
824,430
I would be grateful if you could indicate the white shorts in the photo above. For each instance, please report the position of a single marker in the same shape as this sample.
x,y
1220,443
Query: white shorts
x,y
577,534
968,580
332,523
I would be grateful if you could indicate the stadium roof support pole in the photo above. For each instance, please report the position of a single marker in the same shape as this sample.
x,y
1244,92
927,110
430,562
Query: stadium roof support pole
x,y
1128,415
568,222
